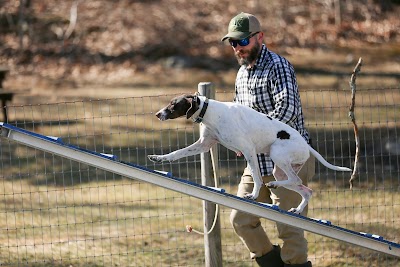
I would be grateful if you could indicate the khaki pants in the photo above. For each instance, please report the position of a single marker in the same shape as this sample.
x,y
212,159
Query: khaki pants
x,y
252,234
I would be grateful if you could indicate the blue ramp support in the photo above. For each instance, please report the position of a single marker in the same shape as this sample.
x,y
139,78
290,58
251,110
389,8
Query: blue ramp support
x,y
109,163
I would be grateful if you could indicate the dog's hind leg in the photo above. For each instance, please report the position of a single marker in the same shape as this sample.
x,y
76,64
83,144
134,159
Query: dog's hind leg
x,y
287,177
305,193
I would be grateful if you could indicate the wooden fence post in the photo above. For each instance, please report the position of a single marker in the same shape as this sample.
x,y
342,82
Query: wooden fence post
x,y
212,241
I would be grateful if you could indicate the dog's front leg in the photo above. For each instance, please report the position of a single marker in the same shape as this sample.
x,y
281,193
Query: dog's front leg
x,y
200,146
252,163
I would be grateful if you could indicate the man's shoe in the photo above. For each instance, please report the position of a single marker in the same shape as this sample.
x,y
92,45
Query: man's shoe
x,y
307,264
271,259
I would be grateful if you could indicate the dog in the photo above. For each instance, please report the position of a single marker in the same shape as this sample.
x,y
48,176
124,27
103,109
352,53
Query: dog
x,y
247,132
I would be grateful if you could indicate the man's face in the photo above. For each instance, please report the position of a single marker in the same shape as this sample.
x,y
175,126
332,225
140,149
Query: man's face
x,y
247,55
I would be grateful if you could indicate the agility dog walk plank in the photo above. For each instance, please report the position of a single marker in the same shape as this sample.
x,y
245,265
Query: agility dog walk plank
x,y
110,163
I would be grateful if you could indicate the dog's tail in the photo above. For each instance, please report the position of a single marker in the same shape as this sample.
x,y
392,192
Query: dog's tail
x,y
325,163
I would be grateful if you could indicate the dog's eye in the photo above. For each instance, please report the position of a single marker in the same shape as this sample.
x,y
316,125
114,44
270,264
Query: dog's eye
x,y
171,107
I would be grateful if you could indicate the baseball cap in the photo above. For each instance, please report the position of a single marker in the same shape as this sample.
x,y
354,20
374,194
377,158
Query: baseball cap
x,y
241,26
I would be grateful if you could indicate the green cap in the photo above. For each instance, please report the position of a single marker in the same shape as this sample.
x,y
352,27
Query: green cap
x,y
242,26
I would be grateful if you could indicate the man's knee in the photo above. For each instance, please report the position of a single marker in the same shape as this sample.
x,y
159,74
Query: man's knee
x,y
242,221
238,219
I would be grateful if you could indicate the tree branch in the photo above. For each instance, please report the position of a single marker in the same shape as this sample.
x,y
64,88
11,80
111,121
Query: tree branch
x,y
353,120
72,20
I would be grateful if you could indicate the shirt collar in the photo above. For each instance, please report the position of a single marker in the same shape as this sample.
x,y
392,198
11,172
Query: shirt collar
x,y
261,60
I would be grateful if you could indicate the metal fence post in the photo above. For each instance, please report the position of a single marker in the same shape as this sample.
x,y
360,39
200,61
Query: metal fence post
x,y
212,241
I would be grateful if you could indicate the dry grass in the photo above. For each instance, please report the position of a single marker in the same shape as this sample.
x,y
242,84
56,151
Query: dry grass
x,y
126,223
57,213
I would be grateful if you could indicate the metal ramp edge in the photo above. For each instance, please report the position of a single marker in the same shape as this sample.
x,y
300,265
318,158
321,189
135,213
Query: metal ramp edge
x,y
55,145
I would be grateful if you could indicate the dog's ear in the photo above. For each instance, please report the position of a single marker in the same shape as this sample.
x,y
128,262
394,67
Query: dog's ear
x,y
194,105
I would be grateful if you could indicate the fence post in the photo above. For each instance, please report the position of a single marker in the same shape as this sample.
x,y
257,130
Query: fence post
x,y
212,241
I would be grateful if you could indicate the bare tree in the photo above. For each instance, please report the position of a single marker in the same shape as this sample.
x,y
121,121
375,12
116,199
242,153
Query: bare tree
x,y
338,12
23,23
72,20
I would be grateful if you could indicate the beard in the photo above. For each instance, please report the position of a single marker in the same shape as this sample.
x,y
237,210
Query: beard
x,y
252,56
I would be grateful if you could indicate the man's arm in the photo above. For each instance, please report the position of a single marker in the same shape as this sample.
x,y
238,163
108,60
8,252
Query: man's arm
x,y
285,93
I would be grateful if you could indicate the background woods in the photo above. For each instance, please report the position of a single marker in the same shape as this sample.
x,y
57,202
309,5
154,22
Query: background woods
x,y
75,43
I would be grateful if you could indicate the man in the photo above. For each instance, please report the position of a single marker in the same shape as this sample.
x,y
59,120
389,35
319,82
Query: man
x,y
267,83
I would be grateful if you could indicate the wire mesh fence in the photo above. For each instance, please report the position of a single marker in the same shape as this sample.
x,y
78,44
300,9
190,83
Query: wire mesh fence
x,y
56,212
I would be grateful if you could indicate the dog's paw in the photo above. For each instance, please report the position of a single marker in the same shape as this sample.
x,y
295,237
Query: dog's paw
x,y
249,197
295,210
272,185
155,158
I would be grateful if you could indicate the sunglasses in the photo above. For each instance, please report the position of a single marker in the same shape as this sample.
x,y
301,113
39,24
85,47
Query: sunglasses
x,y
243,42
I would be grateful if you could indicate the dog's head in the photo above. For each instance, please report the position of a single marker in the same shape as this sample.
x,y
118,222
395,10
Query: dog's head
x,y
184,105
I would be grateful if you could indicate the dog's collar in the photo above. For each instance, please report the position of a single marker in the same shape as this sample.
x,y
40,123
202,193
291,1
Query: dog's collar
x,y
203,110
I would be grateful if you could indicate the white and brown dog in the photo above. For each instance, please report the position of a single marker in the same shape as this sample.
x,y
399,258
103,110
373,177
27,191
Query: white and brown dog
x,y
249,132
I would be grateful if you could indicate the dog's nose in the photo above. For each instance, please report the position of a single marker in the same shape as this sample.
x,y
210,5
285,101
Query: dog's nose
x,y
158,114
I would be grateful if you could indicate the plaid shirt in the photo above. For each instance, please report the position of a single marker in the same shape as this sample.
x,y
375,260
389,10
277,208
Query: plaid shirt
x,y
270,87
